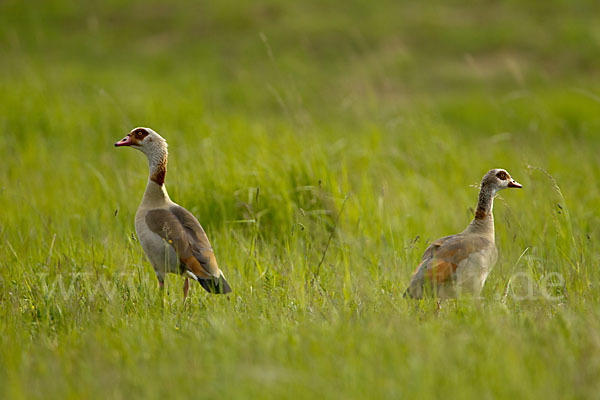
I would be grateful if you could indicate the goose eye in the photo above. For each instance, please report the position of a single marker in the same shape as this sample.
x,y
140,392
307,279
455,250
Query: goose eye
x,y
502,175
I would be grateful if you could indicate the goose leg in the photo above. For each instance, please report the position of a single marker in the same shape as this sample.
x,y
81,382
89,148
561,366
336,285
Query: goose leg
x,y
186,286
161,290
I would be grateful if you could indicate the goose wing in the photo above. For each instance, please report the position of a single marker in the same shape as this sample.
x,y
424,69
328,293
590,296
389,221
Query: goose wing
x,y
441,260
178,227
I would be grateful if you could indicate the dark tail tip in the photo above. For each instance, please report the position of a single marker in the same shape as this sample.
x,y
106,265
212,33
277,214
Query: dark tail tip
x,y
215,286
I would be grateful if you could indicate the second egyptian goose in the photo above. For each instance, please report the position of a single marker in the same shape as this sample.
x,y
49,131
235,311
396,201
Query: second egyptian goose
x,y
461,263
171,236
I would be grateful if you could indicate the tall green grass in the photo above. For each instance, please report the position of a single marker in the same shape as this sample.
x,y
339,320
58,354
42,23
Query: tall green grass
x,y
322,146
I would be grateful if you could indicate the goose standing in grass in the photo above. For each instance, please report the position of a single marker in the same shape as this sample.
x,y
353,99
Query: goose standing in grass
x,y
461,263
171,236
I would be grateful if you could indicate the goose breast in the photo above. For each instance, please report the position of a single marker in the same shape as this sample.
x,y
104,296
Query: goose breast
x,y
161,254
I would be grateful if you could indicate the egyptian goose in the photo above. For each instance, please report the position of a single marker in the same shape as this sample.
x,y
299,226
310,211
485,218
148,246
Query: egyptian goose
x,y
460,264
171,236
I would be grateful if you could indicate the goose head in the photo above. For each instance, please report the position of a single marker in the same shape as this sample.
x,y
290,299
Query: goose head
x,y
145,140
498,179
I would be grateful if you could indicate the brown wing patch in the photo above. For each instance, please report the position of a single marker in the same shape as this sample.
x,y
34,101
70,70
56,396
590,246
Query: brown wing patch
x,y
199,244
461,247
430,251
195,254
194,265
445,259
192,226
440,270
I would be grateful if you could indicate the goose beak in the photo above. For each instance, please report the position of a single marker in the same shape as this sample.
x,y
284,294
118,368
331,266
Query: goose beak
x,y
511,184
126,141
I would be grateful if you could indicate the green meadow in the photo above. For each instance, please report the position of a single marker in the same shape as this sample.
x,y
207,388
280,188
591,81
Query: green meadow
x,y
322,145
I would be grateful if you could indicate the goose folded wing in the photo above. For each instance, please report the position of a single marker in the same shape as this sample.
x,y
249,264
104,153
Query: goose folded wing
x,y
179,228
432,248
441,261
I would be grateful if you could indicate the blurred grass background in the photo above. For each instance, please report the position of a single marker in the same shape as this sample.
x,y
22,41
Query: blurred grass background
x,y
290,123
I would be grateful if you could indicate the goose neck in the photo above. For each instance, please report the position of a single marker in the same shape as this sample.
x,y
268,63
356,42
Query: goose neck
x,y
157,165
155,195
483,222
156,192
